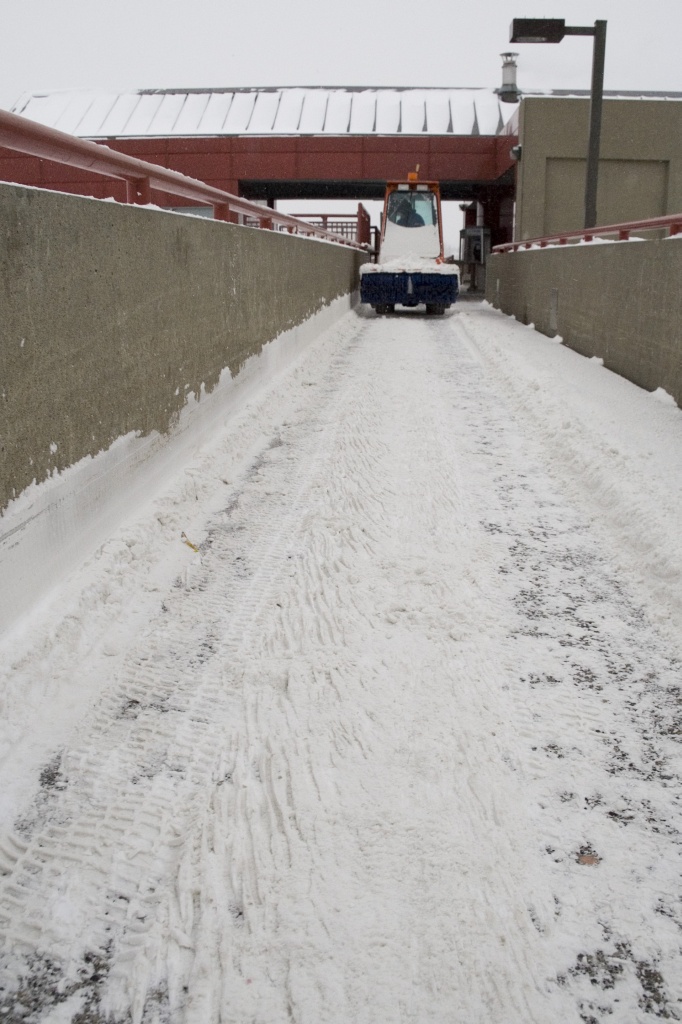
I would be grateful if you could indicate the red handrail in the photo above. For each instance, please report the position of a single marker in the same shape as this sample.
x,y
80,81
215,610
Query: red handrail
x,y
24,136
672,222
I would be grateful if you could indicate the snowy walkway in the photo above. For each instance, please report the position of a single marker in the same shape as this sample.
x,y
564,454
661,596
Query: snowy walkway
x,y
400,743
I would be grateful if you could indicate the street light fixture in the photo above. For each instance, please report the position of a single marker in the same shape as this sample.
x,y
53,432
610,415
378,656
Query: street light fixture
x,y
553,30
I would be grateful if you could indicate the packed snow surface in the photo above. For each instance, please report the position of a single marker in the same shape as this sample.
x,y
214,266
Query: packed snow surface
x,y
373,715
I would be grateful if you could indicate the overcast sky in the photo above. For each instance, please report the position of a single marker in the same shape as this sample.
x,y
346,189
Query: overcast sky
x,y
122,44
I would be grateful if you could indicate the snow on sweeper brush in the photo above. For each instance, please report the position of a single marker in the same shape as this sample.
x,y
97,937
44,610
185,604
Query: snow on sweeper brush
x,y
411,268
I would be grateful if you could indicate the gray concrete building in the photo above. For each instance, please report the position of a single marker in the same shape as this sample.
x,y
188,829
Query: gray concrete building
x,y
640,166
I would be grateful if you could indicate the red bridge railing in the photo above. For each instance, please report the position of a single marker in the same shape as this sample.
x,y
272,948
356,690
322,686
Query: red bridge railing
x,y
672,223
24,136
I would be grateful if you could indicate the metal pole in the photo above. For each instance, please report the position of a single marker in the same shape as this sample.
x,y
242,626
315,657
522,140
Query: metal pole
x,y
596,94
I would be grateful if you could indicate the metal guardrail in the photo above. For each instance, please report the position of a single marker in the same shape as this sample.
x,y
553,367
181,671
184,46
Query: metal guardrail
x,y
24,136
672,223
350,225
333,222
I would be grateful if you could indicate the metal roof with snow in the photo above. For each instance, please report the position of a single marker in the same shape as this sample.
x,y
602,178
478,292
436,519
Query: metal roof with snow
x,y
149,113
313,110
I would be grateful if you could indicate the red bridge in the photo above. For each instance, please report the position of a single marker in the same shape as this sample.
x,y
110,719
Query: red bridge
x,y
269,144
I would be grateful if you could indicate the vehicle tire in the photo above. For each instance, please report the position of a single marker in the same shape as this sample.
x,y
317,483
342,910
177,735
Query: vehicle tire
x,y
434,310
384,310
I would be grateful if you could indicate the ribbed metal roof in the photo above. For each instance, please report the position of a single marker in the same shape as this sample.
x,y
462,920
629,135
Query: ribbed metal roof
x,y
286,111
315,110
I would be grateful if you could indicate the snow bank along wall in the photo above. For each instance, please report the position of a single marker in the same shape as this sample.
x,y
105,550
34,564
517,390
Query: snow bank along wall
x,y
116,319
620,301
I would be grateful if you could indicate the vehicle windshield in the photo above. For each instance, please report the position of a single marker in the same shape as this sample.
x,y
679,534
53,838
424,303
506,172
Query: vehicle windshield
x,y
412,209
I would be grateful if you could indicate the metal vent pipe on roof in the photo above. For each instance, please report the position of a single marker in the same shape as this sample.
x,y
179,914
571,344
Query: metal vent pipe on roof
x,y
508,92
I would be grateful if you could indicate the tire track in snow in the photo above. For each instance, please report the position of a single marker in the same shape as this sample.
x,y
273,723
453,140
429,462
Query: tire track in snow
x,y
136,917
602,692
351,769
151,739
314,794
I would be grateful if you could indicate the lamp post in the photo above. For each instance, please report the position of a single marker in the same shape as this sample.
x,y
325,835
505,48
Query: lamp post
x,y
553,30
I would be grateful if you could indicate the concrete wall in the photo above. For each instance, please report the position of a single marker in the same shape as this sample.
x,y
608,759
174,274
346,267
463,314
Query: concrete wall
x,y
112,316
640,167
619,301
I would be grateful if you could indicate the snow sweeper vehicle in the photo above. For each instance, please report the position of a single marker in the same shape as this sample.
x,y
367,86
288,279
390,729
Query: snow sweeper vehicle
x,y
411,267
